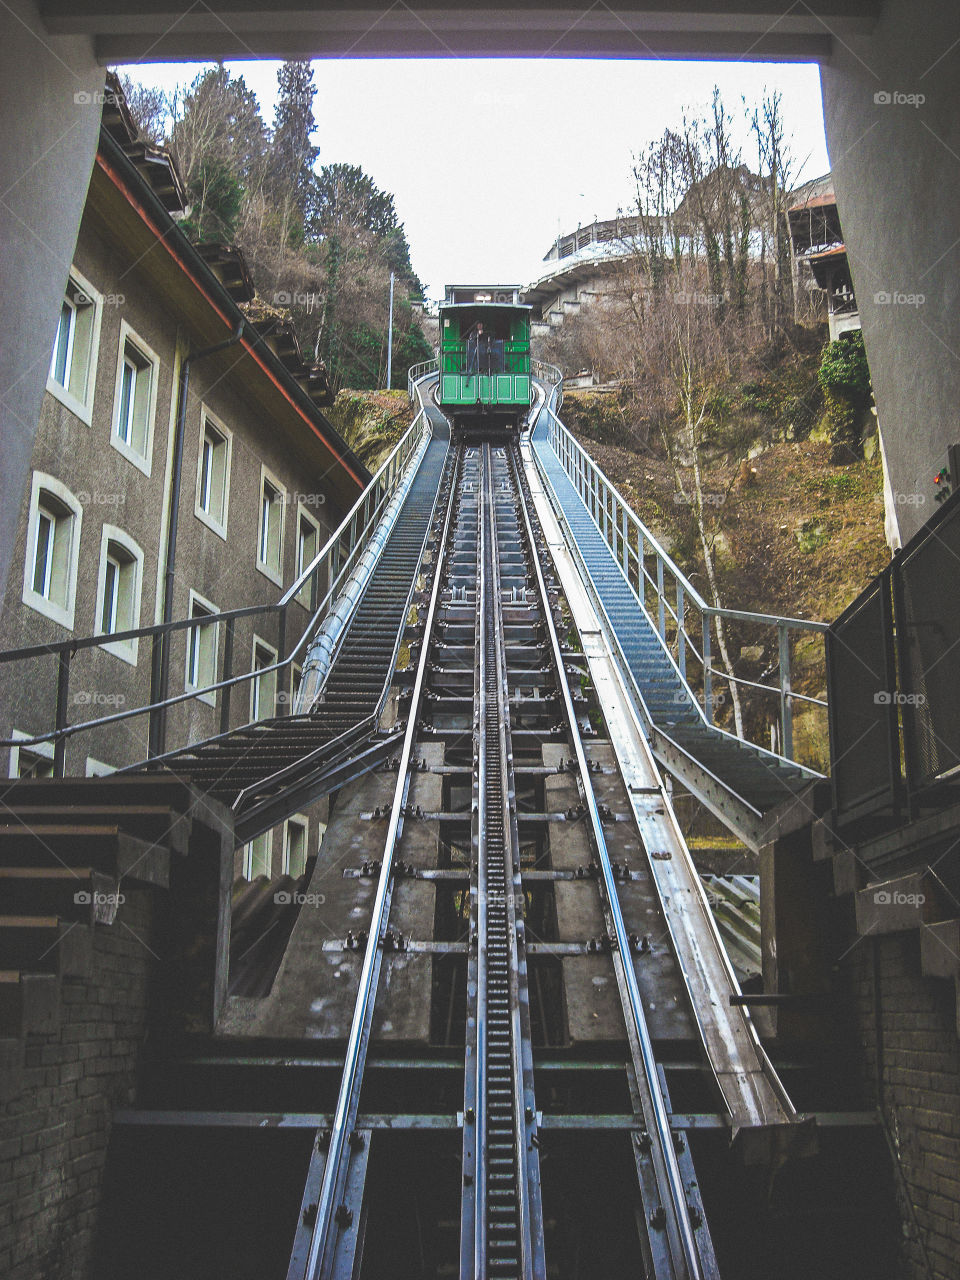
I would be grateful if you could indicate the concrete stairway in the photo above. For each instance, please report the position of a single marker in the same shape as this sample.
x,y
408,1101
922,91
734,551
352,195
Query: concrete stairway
x,y
69,848
917,901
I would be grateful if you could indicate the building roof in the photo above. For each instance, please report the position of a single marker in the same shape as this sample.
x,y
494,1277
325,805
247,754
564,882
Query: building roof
x,y
219,273
816,193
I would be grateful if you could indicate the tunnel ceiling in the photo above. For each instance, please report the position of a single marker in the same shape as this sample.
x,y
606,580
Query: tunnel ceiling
x,y
155,30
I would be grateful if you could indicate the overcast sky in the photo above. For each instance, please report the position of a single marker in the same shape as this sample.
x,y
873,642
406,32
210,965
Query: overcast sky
x,y
489,160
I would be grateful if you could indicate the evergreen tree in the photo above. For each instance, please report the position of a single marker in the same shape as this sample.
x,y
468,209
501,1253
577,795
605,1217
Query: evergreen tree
x,y
292,153
344,196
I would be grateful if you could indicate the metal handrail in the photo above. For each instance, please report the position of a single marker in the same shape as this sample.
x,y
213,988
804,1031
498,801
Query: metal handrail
x,y
419,371
632,544
357,527
551,377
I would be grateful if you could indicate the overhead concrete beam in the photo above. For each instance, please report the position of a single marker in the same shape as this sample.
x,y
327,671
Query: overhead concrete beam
x,y
892,114
755,29
50,104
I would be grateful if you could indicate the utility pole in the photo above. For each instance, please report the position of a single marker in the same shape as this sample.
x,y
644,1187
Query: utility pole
x,y
390,338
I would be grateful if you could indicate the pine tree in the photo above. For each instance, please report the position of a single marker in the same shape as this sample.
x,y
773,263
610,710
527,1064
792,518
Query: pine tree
x,y
292,153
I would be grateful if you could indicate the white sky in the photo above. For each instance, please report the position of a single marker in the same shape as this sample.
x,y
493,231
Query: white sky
x,y
489,160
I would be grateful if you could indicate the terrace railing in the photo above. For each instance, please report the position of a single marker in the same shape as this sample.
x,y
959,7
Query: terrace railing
x,y
892,679
320,581
685,621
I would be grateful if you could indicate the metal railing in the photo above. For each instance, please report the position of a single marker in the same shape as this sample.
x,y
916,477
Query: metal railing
x,y
552,379
685,621
416,373
319,581
892,682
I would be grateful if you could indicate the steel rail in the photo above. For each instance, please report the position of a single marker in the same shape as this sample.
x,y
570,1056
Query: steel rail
x,y
685,1255
627,538
501,1003
354,1058
389,475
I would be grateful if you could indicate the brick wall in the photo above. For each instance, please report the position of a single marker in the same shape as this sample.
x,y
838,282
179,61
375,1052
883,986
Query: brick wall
x,y
908,1025
54,1130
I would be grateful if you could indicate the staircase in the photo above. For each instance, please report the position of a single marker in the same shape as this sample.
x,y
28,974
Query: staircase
x,y
737,780
70,851
271,768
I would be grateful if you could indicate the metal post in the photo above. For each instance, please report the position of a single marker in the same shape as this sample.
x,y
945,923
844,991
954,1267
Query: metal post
x,y
157,724
786,705
707,675
63,696
390,338
227,673
662,608
681,632
279,702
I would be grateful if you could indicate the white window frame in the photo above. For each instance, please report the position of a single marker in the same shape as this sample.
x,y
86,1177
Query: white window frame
x,y
44,749
303,514
256,712
97,769
128,337
218,527
82,406
209,698
302,823
62,613
296,674
248,853
268,478
127,650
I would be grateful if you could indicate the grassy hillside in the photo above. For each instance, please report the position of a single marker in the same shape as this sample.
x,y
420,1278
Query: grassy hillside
x,y
371,422
794,534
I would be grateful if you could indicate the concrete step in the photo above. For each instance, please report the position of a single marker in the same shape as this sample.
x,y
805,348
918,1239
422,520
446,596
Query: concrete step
x,y
940,949
29,1004
71,893
11,1067
152,822
104,848
903,902
45,944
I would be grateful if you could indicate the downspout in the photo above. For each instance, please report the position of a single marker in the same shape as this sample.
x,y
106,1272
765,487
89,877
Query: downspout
x,y
160,673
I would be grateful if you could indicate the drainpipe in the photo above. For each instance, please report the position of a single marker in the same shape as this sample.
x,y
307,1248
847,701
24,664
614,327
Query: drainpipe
x,y
160,673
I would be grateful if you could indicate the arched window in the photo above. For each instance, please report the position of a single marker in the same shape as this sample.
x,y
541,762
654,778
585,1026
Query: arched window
x,y
53,546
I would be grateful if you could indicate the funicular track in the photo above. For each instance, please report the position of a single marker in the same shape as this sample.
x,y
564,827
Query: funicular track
x,y
491,609
531,844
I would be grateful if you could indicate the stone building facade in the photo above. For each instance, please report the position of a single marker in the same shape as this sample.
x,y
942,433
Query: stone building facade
x,y
264,480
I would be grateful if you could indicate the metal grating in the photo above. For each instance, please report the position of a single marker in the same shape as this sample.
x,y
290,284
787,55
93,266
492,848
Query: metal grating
x,y
864,746
928,613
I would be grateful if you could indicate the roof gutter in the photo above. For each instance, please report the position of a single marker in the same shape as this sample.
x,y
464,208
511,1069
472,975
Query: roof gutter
x,y
161,649
119,170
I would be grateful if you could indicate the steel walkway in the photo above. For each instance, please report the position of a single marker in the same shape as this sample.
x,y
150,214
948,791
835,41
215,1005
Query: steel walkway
x,y
255,768
738,780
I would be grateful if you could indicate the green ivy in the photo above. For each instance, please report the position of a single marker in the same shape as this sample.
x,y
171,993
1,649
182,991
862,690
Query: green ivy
x,y
845,378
